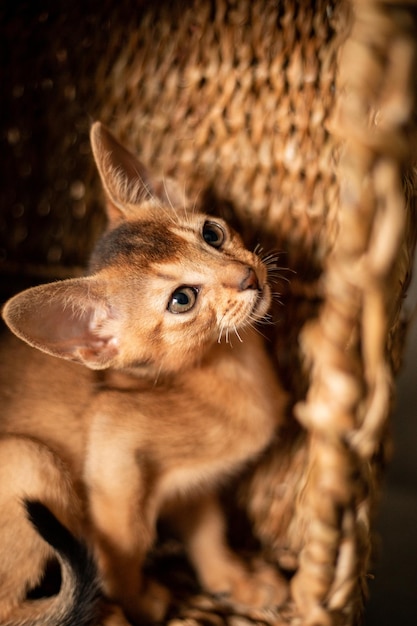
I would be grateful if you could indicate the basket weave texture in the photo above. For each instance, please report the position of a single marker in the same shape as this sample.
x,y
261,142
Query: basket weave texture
x,y
296,120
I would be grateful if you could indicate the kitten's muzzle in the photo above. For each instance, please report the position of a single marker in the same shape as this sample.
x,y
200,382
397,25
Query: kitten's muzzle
x,y
262,297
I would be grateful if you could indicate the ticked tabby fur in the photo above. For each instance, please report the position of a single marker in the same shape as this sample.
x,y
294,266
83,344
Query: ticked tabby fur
x,y
147,407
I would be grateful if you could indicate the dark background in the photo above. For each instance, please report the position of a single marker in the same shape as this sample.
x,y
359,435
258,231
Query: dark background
x,y
393,599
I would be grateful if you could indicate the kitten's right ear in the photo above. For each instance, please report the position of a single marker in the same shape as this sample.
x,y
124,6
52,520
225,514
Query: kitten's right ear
x,y
70,319
125,180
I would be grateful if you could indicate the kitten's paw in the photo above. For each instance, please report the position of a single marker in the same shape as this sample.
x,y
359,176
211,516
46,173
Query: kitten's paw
x,y
151,605
270,588
262,587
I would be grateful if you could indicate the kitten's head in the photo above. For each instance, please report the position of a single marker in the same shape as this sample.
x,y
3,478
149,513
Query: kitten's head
x,y
166,281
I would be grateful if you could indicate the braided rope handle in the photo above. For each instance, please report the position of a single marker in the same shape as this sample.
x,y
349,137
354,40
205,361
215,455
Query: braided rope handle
x,y
348,403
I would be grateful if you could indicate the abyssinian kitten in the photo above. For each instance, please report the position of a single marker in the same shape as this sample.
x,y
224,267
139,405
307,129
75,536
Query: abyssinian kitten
x,y
146,410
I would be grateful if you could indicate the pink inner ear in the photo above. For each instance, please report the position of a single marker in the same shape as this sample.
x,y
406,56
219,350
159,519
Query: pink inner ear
x,y
65,320
65,328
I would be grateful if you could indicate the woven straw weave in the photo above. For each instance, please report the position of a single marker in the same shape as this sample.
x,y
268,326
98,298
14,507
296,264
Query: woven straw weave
x,y
296,121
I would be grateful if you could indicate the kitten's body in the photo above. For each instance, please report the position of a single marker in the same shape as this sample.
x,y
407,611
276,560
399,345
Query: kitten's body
x,y
163,411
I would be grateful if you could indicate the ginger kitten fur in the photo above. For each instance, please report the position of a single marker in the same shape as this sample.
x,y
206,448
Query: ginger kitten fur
x,y
134,405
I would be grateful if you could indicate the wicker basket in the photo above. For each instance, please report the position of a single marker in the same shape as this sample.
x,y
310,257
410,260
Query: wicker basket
x,y
296,121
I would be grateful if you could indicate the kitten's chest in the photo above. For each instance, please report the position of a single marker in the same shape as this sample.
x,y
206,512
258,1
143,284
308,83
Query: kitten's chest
x,y
221,441
204,425
228,414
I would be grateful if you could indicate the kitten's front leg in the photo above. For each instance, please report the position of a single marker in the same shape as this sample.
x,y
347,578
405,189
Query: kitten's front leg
x,y
220,570
122,524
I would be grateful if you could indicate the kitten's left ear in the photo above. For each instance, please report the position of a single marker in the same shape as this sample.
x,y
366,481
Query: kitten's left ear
x,y
126,181
70,319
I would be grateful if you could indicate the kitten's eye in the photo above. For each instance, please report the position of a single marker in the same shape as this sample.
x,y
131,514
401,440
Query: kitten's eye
x,y
213,234
182,300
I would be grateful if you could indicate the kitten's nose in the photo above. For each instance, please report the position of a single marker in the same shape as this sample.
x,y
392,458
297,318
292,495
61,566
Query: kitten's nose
x,y
250,281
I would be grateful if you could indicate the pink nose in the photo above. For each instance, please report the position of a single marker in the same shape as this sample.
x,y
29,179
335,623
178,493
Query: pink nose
x,y
250,281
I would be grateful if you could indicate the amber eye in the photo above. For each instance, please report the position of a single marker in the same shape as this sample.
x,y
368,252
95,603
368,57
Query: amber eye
x,y
183,299
213,234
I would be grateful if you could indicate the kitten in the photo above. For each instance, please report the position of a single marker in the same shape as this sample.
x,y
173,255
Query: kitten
x,y
148,407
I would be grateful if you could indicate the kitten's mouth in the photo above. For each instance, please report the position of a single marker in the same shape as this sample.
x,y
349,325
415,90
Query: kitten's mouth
x,y
261,304
250,307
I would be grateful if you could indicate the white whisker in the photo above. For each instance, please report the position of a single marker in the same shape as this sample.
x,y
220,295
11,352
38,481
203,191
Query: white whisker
x,y
256,328
272,257
264,322
276,271
173,208
237,333
194,205
222,329
155,382
276,297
